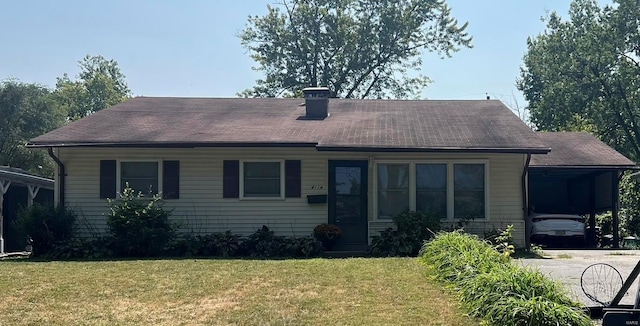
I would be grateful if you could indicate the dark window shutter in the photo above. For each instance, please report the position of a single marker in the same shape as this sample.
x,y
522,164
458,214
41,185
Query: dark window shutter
x,y
231,179
292,180
107,179
171,179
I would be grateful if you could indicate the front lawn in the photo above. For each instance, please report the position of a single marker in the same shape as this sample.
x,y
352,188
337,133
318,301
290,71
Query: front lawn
x,y
388,291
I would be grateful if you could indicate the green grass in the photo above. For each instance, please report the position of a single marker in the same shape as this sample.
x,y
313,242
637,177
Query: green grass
x,y
388,291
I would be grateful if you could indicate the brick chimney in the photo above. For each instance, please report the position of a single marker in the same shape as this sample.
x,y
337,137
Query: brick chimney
x,y
316,100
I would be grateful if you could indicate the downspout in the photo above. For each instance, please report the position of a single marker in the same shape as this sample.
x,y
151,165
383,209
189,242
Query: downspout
x,y
525,202
61,174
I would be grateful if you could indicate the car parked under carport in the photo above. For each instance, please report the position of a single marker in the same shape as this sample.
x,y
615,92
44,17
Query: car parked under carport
x,y
558,230
580,176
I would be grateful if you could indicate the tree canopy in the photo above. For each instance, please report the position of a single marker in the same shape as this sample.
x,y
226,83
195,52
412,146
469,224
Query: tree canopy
x,y
99,85
30,110
27,111
584,73
357,48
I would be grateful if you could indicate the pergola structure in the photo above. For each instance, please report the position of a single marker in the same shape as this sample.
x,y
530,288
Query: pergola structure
x,y
12,177
580,176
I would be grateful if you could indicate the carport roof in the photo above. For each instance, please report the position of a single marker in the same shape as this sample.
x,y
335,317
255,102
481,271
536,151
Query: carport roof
x,y
19,176
578,150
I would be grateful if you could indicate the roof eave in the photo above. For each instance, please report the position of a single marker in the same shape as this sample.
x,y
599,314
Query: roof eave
x,y
497,150
173,144
586,167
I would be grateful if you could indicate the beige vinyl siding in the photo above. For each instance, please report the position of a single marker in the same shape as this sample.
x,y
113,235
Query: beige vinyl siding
x,y
202,209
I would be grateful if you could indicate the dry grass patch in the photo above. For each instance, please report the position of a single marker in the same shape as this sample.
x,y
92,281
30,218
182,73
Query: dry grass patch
x,y
389,291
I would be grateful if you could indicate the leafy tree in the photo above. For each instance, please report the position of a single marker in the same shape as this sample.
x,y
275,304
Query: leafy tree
x,y
358,48
100,84
584,73
27,111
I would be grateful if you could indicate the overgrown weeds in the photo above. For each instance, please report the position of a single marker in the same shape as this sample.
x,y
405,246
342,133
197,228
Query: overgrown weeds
x,y
493,288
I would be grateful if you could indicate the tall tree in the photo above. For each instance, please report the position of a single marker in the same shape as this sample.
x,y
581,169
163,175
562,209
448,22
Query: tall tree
x,y
99,84
358,48
584,73
27,111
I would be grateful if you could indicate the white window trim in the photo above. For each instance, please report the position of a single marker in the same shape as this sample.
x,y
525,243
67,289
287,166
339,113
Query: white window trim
x,y
450,185
119,175
282,180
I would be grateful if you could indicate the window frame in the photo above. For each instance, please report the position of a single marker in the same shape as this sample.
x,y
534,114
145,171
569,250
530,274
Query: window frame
x,y
449,190
448,177
282,180
411,176
119,175
451,199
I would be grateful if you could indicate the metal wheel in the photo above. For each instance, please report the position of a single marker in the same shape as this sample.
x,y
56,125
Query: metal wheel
x,y
601,282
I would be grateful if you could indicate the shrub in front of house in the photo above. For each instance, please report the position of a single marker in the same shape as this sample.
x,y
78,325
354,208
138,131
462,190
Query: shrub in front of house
x,y
413,229
491,287
391,243
139,225
303,247
45,227
83,248
223,244
262,243
327,234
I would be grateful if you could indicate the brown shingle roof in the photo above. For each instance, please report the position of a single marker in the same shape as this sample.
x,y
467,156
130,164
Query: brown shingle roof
x,y
578,149
420,125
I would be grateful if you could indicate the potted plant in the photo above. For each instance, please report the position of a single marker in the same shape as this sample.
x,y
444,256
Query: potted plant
x,y
327,234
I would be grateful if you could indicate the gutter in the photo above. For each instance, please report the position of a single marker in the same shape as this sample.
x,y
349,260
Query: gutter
x,y
62,174
525,202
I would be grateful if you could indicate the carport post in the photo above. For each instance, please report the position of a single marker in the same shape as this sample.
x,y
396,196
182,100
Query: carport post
x,y
591,236
615,206
4,187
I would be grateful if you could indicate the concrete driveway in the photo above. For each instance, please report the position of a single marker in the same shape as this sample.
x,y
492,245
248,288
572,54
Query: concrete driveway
x,y
566,266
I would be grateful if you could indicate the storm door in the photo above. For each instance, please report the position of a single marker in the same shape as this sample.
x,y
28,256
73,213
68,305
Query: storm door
x,y
348,202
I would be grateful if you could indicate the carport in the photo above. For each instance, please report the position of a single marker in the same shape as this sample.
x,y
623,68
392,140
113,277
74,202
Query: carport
x,y
19,189
580,176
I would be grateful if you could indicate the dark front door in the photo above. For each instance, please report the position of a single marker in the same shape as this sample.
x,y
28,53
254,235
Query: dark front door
x,y
348,202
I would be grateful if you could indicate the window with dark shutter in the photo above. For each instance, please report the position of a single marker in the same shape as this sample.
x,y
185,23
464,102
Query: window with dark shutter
x,y
231,179
293,184
107,179
171,179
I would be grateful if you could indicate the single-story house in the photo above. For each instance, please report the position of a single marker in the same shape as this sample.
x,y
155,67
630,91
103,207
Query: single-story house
x,y
291,164
19,189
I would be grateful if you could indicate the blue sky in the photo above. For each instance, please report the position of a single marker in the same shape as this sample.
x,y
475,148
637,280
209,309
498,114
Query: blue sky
x,y
191,48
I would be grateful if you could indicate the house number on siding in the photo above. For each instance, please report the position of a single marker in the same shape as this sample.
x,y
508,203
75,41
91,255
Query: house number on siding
x,y
317,187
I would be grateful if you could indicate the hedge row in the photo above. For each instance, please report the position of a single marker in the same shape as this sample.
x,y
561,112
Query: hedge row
x,y
494,289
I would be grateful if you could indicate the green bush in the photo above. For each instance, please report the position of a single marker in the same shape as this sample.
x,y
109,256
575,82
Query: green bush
x,y
493,288
263,243
391,243
83,248
139,225
45,226
301,247
413,229
225,244
502,240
